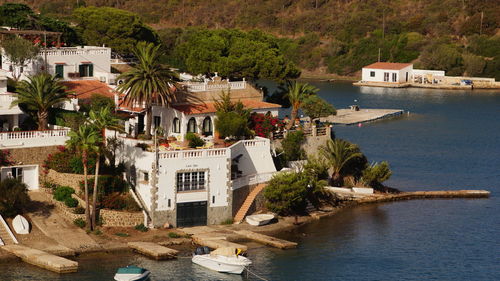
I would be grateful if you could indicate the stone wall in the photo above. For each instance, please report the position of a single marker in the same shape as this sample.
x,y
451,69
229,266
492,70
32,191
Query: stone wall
x,y
120,218
31,155
65,179
239,196
61,207
217,215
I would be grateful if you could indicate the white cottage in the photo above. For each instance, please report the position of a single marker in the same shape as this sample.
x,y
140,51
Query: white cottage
x,y
387,72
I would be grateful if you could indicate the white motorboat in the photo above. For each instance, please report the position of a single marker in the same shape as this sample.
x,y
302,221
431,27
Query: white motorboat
x,y
258,220
225,260
21,225
132,273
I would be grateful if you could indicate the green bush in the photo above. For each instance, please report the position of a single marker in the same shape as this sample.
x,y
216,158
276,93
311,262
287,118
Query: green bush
x,y
76,165
232,125
71,202
173,235
227,221
291,146
286,194
14,197
122,234
375,174
141,227
79,210
107,184
63,192
49,185
194,140
120,201
80,222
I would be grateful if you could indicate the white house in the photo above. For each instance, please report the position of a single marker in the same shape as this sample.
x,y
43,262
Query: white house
x,y
68,63
387,72
195,187
9,116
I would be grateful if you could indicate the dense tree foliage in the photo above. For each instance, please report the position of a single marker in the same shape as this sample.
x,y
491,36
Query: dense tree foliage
x,y
230,52
292,146
375,174
316,107
121,30
14,197
19,51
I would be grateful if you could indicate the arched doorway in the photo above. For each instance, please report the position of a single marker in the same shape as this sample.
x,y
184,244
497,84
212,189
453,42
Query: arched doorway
x,y
191,126
207,126
176,126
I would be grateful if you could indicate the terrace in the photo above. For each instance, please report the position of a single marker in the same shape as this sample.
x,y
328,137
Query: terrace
x,y
23,139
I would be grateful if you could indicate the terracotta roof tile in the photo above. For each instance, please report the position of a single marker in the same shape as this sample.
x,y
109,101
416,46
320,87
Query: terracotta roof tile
x,y
83,89
388,65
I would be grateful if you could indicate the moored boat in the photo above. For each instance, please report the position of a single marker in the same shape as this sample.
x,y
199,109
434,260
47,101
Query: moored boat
x,y
258,220
21,225
132,273
225,260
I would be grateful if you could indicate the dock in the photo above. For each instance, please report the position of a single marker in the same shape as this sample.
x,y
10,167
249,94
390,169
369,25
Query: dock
x,y
42,259
217,243
267,240
353,117
153,250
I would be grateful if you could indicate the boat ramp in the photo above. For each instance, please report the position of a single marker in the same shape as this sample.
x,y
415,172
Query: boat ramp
x,y
355,115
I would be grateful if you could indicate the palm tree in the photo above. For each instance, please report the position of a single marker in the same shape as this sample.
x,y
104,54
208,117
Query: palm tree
x,y
339,154
148,81
296,93
41,92
86,140
101,120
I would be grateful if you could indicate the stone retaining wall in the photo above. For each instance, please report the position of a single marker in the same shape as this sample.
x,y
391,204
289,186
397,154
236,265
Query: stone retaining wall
x,y
121,219
60,206
65,179
31,155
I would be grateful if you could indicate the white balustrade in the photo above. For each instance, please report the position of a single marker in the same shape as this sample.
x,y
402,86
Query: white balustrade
x,y
252,179
199,153
205,86
33,138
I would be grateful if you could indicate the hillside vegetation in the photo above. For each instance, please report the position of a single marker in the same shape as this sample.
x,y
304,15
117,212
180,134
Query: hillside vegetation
x,y
339,36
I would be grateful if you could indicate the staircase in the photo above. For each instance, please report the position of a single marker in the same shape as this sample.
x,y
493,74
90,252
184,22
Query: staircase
x,y
242,212
5,234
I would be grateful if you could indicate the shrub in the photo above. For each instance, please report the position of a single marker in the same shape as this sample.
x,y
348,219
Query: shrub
x,y
76,165
291,146
107,185
80,222
97,232
232,125
375,174
5,159
264,124
227,221
194,140
173,235
49,185
71,202
79,210
287,194
13,198
120,201
141,227
121,234
63,192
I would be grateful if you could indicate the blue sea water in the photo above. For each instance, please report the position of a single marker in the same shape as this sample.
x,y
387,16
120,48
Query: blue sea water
x,y
450,140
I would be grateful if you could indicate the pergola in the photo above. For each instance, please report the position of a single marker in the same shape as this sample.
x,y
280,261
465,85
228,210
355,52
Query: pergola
x,y
32,34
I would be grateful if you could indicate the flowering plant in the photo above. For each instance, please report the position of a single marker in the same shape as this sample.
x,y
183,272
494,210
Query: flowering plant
x,y
264,124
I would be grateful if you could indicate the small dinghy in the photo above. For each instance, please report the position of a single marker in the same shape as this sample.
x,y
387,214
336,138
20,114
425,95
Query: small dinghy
x,y
132,273
225,260
21,225
259,220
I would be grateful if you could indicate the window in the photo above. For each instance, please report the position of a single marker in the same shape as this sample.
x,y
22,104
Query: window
x,y
176,127
59,70
394,77
386,76
86,70
191,128
207,126
406,76
157,121
190,181
16,173
372,73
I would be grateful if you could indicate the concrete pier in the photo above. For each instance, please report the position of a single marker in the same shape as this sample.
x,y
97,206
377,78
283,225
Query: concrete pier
x,y
352,117
216,243
153,250
267,240
42,259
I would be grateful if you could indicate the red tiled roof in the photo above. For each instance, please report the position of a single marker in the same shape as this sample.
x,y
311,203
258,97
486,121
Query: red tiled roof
x,y
209,107
388,65
84,89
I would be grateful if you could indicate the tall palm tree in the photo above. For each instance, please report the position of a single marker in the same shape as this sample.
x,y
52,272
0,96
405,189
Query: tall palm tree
x,y
86,140
339,154
41,92
296,93
148,81
101,120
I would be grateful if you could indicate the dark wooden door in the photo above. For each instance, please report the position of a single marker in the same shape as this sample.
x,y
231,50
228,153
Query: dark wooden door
x,y
192,214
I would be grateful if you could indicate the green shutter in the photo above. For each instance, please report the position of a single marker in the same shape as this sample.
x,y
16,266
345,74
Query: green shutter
x,y
81,69
59,71
91,70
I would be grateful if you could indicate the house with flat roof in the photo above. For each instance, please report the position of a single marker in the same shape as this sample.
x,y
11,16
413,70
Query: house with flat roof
x,y
387,72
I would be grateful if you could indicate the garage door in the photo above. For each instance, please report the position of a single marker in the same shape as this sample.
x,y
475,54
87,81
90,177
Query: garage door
x,y
192,214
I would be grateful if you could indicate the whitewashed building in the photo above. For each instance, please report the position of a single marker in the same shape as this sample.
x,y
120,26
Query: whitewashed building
x,y
9,116
195,187
387,72
68,63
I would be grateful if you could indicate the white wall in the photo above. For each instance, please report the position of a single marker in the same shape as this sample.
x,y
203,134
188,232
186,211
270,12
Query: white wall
x,y
33,138
379,74
30,175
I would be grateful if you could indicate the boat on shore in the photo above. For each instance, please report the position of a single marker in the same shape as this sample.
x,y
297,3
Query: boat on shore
x,y
132,273
226,260
21,225
258,220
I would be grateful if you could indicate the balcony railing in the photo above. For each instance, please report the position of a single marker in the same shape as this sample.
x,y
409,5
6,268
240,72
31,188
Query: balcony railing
x,y
207,86
33,138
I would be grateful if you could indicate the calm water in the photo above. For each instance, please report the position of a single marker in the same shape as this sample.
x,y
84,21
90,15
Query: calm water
x,y
450,140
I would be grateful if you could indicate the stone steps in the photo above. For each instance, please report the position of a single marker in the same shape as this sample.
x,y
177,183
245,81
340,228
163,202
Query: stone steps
x,y
5,235
242,212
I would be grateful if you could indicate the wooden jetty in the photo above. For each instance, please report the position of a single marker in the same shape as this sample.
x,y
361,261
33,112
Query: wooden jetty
x,y
266,240
153,250
42,259
353,117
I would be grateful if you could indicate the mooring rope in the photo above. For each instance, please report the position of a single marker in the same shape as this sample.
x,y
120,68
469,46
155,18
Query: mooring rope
x,y
255,274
